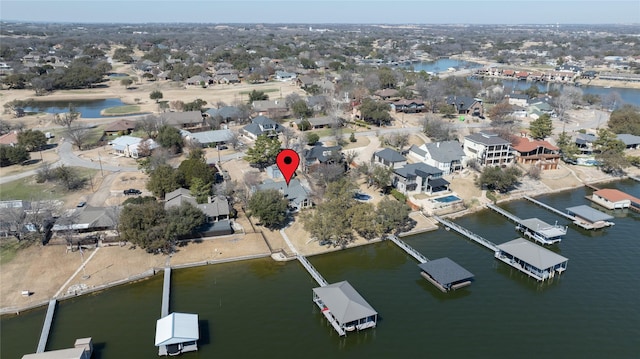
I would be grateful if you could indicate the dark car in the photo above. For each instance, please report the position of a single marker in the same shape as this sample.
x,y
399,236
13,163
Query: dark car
x,y
132,191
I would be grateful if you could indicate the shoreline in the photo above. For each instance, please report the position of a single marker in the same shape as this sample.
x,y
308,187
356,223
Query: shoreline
x,y
15,311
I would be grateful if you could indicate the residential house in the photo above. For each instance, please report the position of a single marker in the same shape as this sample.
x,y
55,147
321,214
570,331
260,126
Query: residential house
x,y
274,172
9,139
225,113
389,158
630,141
217,211
199,80
538,108
304,81
318,122
539,153
488,149
317,103
261,125
188,120
318,155
297,195
585,142
447,156
325,86
285,76
271,108
417,178
208,138
226,79
88,219
129,146
122,127
516,99
466,105
387,94
407,106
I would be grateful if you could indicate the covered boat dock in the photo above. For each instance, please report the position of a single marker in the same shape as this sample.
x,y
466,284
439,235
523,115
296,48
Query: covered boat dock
x,y
532,259
344,307
589,218
179,332
541,231
446,274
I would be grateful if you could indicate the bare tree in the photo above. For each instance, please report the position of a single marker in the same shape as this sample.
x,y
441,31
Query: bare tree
x,y
251,178
149,124
287,136
78,136
68,118
234,140
113,213
350,156
438,129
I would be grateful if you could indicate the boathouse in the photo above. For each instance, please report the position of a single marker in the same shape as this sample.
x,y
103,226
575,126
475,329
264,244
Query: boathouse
x,y
610,198
589,218
541,231
344,307
530,258
445,274
82,349
179,332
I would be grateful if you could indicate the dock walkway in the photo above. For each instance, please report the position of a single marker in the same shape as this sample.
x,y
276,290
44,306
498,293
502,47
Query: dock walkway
x,y
48,320
407,248
546,206
164,309
312,270
467,233
503,212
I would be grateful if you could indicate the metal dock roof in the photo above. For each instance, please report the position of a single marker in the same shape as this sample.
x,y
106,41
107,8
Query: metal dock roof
x,y
533,254
544,228
445,271
344,302
588,213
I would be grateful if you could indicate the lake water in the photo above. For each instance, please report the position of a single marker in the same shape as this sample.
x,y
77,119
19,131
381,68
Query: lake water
x,y
442,65
87,108
262,308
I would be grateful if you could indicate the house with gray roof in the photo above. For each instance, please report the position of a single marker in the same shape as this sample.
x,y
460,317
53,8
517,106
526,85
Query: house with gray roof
x,y
298,196
488,149
585,142
466,105
389,158
319,154
285,76
130,146
445,274
225,113
447,156
183,120
345,307
630,141
208,138
531,259
87,219
261,125
271,108
318,122
417,178
217,211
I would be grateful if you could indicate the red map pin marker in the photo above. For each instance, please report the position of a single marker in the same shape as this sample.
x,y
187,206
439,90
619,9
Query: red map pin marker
x,y
288,161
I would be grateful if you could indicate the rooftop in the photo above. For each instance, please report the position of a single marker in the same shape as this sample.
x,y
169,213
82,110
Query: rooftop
x,y
344,302
532,254
487,138
390,155
445,271
543,228
177,328
588,213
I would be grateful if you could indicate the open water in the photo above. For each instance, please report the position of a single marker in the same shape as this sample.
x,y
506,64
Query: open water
x,y
263,309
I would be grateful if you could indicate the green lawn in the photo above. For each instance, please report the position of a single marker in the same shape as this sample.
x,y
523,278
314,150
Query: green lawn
x,y
121,110
27,188
9,247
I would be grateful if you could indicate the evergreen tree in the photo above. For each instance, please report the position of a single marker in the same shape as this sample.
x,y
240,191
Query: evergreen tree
x,y
541,127
264,151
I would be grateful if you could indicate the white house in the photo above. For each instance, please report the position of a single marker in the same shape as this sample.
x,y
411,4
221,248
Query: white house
x,y
447,156
128,146
488,149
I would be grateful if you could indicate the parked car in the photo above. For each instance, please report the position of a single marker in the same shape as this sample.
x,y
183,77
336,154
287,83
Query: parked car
x,y
81,204
132,191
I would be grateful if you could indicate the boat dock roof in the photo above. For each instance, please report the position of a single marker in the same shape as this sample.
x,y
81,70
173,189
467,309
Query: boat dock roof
x,y
344,302
531,253
543,228
446,272
590,214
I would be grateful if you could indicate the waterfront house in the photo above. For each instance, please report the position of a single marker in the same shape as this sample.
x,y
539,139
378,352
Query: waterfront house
x,y
389,158
464,105
531,259
630,141
417,178
488,149
129,146
344,307
298,196
188,120
217,212
447,156
178,332
82,349
610,198
585,142
539,153
122,127
515,99
445,274
261,125
88,219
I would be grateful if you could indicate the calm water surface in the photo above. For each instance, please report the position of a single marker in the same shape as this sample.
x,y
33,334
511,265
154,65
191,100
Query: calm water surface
x,y
263,309
87,108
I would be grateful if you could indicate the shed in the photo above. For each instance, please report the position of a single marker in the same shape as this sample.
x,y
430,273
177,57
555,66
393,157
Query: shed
x,y
179,332
446,274
341,302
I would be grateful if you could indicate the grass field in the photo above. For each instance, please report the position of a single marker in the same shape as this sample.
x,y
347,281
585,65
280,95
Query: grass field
x,y
27,189
265,91
121,110
9,247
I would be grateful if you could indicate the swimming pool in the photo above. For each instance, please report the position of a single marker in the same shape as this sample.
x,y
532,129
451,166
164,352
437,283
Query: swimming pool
x,y
447,199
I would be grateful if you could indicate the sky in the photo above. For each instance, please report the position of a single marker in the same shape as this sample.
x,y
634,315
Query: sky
x,y
325,12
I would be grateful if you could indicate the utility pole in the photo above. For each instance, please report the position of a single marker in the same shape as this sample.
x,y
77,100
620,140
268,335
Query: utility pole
x,y
100,160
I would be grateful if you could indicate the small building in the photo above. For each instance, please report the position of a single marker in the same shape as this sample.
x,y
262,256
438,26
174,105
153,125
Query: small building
x,y
531,259
344,307
82,349
445,274
610,198
589,218
178,332
389,158
541,231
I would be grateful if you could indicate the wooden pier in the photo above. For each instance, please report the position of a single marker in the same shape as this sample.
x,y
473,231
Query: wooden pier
x,y
407,248
164,309
546,206
465,232
312,270
501,211
48,320
635,178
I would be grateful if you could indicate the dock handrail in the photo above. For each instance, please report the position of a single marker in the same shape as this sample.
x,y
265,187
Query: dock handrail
x,y
46,327
407,248
503,212
312,270
546,206
166,288
467,233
